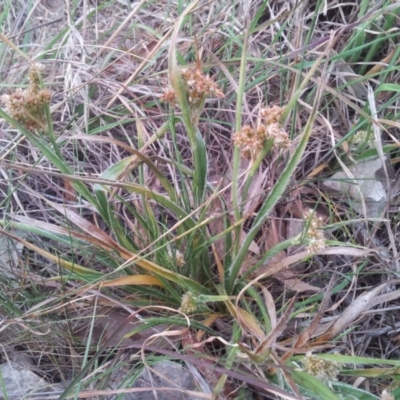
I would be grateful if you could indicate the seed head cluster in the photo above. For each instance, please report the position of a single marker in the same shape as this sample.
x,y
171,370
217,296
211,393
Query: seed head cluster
x,y
189,303
177,257
198,86
314,233
324,370
385,395
168,96
362,138
27,106
271,115
251,140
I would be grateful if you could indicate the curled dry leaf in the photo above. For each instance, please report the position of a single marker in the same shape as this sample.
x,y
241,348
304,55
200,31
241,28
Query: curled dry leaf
x,y
386,297
269,270
361,304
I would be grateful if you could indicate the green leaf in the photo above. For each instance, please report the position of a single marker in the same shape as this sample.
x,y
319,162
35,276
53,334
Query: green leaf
x,y
314,385
349,392
388,87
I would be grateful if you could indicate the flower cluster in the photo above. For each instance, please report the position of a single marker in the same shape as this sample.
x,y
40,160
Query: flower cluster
x,y
200,85
325,370
251,140
27,106
314,233
189,303
197,84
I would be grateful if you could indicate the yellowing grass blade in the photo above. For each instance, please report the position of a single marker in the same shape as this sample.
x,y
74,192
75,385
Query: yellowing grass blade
x,y
73,267
246,320
146,280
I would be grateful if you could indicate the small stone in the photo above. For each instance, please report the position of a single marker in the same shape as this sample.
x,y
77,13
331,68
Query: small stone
x,y
19,383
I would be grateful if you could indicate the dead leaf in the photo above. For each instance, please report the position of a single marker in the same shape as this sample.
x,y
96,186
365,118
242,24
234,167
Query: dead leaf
x,y
306,334
269,270
270,238
114,327
346,76
296,284
69,191
266,346
253,245
270,306
362,185
383,63
361,304
10,251
384,298
295,227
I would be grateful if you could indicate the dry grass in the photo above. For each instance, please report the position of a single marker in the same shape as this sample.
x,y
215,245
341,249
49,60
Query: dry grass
x,y
127,205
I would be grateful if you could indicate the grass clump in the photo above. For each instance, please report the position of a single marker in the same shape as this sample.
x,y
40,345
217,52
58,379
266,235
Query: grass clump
x,y
168,193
